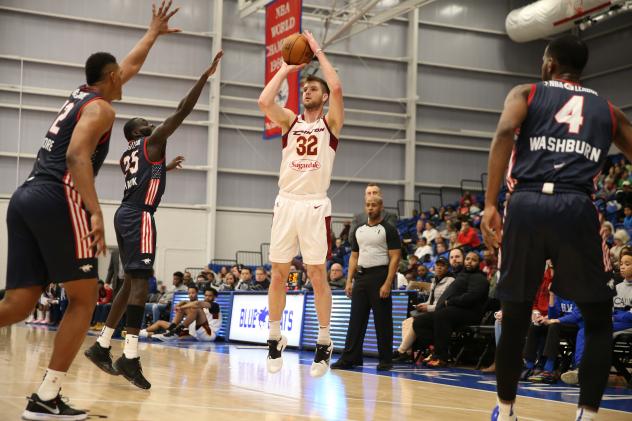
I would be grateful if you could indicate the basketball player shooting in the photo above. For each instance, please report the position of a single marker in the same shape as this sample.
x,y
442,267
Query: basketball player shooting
x,y
302,210
565,132
144,169
54,220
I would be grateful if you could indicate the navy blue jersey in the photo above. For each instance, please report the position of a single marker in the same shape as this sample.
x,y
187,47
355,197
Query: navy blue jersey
x,y
565,137
145,180
51,158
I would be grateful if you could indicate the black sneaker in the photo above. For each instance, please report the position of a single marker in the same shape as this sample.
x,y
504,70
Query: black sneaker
x,y
322,358
131,369
526,373
342,365
384,366
399,357
101,357
54,409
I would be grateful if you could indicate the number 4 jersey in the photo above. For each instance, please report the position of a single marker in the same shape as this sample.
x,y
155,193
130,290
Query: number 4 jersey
x,y
144,179
565,137
308,156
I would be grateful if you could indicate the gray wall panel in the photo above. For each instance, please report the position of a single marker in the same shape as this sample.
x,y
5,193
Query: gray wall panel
x,y
483,14
248,150
453,165
130,11
442,118
615,87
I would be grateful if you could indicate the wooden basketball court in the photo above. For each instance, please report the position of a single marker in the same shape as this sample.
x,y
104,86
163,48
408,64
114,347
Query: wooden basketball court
x,y
228,382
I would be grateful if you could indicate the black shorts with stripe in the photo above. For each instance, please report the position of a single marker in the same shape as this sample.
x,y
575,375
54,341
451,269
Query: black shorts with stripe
x,y
136,236
45,226
563,227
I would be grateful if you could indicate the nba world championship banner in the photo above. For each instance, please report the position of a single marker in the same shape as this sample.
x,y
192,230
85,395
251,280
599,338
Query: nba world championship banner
x,y
283,18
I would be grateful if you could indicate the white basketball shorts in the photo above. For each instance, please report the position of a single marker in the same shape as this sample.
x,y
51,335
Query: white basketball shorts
x,y
200,333
303,223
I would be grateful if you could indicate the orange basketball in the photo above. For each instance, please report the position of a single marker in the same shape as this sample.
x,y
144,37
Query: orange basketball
x,y
296,50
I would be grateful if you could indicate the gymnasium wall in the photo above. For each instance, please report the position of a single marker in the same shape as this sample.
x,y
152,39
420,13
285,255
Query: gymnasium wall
x,y
465,66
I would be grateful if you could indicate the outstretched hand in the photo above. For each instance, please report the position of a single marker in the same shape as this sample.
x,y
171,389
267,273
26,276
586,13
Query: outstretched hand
x,y
211,70
291,68
176,163
313,44
160,18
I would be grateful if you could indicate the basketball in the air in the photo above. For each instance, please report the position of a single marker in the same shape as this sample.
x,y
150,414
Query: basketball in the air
x,y
296,50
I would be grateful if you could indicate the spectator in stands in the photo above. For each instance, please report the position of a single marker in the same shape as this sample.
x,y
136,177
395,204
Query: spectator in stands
x,y
441,252
202,319
563,317
336,277
338,252
202,283
540,306
467,197
433,215
461,304
430,233
621,239
453,240
262,283
624,196
230,281
187,278
627,220
245,280
165,301
236,270
607,231
621,316
360,218
489,265
422,274
608,190
442,279
222,272
456,259
104,304
423,249
43,307
468,237
411,266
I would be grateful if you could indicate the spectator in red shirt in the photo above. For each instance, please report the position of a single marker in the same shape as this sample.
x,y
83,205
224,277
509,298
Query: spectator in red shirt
x,y
104,304
489,265
468,236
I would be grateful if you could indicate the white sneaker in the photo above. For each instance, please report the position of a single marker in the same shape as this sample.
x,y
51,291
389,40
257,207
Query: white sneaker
x,y
274,362
143,333
322,359
571,377
30,319
166,337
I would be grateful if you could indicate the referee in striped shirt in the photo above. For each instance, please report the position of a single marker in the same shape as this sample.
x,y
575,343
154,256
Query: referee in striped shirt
x,y
375,254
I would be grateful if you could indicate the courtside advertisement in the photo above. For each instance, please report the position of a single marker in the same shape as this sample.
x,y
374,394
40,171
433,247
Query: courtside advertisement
x,y
283,18
249,319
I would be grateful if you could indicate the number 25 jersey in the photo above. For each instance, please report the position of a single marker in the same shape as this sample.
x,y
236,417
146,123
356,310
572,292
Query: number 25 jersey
x,y
565,137
308,156
145,180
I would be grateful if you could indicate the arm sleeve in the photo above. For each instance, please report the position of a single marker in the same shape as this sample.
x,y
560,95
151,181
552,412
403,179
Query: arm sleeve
x,y
353,241
574,317
392,237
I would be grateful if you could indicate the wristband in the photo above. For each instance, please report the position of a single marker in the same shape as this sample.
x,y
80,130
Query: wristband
x,y
320,50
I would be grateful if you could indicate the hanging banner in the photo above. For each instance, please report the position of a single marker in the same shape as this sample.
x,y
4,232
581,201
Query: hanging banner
x,y
283,18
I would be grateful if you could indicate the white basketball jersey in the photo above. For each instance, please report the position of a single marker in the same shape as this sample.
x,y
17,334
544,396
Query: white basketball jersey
x,y
308,156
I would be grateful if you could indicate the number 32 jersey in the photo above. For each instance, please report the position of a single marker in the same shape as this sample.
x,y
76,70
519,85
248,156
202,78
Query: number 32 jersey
x,y
565,137
309,150
145,180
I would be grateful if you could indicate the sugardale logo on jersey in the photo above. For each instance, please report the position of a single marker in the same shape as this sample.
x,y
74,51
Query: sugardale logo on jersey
x,y
255,318
304,165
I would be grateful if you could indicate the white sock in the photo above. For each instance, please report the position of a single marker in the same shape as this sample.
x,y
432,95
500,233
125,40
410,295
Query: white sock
x,y
506,412
40,315
584,414
275,330
323,336
51,384
105,337
131,346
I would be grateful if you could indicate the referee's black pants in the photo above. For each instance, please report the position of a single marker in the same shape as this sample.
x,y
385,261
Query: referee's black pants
x,y
365,297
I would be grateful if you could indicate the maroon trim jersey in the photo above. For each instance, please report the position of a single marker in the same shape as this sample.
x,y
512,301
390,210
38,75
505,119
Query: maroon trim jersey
x,y
50,164
145,180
